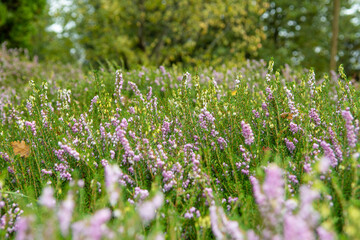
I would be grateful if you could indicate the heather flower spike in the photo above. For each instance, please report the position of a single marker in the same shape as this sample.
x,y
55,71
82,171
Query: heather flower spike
x,y
247,133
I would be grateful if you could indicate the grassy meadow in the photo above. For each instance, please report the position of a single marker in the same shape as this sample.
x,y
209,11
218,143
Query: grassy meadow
x,y
253,152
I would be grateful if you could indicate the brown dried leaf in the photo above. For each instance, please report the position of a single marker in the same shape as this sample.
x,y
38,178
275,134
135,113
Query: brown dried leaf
x,y
287,115
20,148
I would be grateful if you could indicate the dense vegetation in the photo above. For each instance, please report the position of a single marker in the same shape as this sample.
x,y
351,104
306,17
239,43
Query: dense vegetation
x,y
174,133
239,153
187,32
18,21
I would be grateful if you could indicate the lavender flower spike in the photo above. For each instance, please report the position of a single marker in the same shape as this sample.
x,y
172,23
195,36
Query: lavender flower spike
x,y
65,214
247,133
47,198
147,210
222,227
112,175
23,228
329,153
349,127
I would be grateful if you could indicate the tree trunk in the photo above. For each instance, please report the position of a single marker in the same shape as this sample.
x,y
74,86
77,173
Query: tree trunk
x,y
335,34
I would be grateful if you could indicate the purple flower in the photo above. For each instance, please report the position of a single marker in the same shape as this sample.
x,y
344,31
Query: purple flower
x,y
271,199
147,210
188,215
223,227
47,198
324,164
165,128
112,154
205,118
296,228
324,235
293,178
283,219
104,162
93,228
314,116
162,69
70,151
290,145
335,143
221,141
148,96
306,210
273,186
65,214
293,127
208,193
136,90
259,196
63,169
351,137
142,194
23,226
112,176
119,81
46,172
247,133
269,93
32,126
266,110
311,83
102,131
252,236
81,183
132,110
29,106
256,113
93,101
329,153
291,103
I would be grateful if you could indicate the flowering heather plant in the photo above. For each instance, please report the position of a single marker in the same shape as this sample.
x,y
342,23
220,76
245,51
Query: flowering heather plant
x,y
239,153
281,221
16,67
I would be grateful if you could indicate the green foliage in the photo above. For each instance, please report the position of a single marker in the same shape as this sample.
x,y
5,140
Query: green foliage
x,y
145,32
186,32
299,33
17,21
49,46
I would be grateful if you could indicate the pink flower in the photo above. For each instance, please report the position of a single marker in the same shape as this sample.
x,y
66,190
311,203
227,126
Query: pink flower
x,y
351,137
112,177
47,199
65,214
147,210
247,133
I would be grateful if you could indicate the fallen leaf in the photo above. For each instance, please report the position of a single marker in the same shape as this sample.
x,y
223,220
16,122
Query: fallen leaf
x,y
20,148
287,115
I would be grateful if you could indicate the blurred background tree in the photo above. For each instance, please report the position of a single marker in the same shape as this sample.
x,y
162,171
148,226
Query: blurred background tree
x,y
51,46
18,19
187,32
334,34
299,34
153,32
